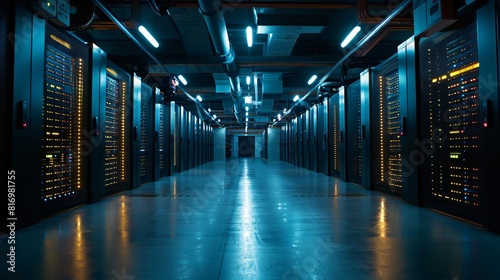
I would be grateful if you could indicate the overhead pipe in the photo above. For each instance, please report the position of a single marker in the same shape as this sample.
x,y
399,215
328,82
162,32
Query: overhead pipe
x,y
358,46
214,18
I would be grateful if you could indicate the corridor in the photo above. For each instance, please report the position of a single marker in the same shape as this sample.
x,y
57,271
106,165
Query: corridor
x,y
252,219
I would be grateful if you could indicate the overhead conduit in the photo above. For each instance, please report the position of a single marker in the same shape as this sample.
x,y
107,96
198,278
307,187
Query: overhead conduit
x,y
216,24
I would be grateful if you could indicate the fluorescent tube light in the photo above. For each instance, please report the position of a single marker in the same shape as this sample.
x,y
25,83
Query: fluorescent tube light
x,y
148,36
351,36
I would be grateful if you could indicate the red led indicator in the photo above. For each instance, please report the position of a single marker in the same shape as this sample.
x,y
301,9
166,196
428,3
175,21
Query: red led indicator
x,y
485,124
25,124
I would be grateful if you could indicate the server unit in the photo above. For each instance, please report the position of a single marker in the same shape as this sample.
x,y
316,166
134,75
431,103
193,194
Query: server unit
x,y
322,135
305,139
451,123
409,107
176,132
161,136
335,139
488,38
300,140
295,140
313,138
110,126
353,134
191,154
146,137
50,136
387,126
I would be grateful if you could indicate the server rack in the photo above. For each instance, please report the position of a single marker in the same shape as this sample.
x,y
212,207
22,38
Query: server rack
x,y
354,152
410,120
488,38
196,142
211,139
313,138
136,128
146,139
387,132
176,130
451,124
300,136
191,123
305,141
110,124
323,137
50,104
335,135
174,145
161,136
183,139
295,142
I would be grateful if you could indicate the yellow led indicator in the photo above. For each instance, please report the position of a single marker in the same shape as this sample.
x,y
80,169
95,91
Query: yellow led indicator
x,y
465,69
60,41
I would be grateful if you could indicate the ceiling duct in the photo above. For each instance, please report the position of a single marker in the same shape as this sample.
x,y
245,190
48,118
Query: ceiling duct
x,y
283,38
216,24
272,84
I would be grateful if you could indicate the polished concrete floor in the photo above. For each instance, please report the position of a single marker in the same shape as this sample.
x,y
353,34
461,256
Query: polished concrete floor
x,y
250,219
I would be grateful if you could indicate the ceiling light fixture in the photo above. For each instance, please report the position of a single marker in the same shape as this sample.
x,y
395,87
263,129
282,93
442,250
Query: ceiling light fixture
x,y
296,98
248,99
248,80
199,98
279,116
246,119
246,114
215,116
182,79
312,79
351,36
148,36
246,108
209,110
249,36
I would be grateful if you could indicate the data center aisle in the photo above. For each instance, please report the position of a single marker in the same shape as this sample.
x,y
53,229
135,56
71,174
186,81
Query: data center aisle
x,y
250,219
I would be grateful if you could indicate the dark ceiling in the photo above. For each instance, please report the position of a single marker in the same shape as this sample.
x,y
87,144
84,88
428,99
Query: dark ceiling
x,y
305,40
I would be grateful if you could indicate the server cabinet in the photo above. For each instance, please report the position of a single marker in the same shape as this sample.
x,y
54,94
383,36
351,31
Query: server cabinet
x,y
295,139
335,135
323,137
365,129
50,101
173,138
305,140
191,154
387,132
211,139
7,16
197,137
146,137
300,136
136,128
313,138
176,130
354,152
110,126
409,121
183,139
451,124
161,136
343,133
488,38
